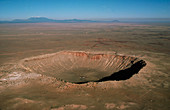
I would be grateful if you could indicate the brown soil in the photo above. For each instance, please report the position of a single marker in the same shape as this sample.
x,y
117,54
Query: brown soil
x,y
38,63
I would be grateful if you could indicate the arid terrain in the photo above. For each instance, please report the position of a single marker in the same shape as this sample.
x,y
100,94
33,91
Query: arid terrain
x,y
84,66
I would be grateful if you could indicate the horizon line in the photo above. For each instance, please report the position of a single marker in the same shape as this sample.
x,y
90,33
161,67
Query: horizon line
x,y
130,18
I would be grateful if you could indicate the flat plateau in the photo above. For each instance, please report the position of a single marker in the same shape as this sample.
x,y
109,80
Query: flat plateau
x,y
57,66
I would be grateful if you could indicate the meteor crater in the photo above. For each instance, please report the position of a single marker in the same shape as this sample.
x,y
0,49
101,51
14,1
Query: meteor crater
x,y
81,67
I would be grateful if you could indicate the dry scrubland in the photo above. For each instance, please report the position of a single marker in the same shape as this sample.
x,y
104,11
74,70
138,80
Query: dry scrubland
x,y
33,73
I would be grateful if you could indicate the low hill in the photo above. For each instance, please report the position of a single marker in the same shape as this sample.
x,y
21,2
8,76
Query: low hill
x,y
47,20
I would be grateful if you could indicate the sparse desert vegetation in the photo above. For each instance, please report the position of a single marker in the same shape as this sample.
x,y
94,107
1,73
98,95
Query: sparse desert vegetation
x,y
30,79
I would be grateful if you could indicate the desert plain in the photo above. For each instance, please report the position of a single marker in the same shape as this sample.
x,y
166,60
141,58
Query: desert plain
x,y
59,66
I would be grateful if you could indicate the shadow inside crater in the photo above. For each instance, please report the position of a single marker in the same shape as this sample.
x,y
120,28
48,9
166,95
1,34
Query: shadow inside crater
x,y
122,74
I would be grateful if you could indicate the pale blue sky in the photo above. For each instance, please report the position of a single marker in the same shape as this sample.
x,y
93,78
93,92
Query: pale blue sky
x,y
84,9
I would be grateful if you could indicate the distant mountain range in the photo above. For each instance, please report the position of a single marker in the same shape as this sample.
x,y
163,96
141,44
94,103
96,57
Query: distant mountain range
x,y
47,20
